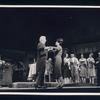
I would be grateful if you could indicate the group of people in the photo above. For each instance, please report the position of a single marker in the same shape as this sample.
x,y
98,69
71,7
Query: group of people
x,y
78,70
75,70
41,62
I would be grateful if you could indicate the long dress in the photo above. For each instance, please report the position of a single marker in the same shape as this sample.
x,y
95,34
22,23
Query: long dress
x,y
58,62
67,72
91,67
83,67
74,69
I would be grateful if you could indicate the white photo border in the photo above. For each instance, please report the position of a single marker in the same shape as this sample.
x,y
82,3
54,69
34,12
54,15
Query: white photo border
x,y
49,93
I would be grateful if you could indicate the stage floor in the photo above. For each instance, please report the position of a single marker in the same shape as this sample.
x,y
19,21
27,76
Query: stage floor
x,y
47,84
82,89
28,87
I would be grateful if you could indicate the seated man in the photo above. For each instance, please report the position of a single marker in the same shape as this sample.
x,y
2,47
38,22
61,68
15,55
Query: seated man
x,y
48,69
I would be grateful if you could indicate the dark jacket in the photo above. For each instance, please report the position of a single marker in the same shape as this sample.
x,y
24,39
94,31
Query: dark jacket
x,y
41,50
98,64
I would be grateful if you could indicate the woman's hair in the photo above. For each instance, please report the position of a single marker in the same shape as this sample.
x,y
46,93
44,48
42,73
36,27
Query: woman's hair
x,y
60,40
72,55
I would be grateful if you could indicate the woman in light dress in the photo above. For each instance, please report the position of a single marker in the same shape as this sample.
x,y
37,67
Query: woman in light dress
x,y
91,68
83,68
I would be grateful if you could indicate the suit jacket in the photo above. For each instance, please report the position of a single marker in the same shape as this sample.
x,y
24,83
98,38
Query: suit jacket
x,y
41,50
98,64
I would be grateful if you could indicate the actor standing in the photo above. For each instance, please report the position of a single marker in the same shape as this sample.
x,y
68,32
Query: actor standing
x,y
58,63
2,62
74,64
41,62
91,68
98,69
83,68
67,72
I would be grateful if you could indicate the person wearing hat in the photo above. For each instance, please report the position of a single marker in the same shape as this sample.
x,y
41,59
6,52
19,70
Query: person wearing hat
x,y
58,63
98,69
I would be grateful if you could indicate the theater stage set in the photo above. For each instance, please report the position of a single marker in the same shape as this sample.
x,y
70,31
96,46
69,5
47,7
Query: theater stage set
x,y
14,79
19,35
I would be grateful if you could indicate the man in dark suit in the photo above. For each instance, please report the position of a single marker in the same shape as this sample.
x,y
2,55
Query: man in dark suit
x,y
41,62
98,69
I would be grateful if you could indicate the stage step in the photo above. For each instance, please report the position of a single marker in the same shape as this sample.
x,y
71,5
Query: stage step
x,y
48,84
31,84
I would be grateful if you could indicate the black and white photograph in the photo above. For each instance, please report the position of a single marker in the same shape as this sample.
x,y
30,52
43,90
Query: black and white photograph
x,y
45,49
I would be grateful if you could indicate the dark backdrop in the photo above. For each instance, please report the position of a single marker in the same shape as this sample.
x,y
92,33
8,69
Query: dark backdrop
x,y
20,28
